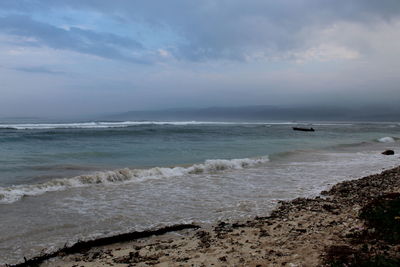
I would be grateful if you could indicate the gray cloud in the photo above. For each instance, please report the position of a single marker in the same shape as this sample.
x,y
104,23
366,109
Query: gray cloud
x,y
105,45
231,29
212,29
341,52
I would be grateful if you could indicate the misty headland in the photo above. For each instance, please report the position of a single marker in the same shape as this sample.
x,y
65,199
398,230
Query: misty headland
x,y
263,113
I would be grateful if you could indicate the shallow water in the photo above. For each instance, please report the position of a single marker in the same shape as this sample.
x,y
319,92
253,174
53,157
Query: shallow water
x,y
172,173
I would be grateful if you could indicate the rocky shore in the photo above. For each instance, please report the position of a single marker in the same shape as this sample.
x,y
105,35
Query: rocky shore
x,y
355,223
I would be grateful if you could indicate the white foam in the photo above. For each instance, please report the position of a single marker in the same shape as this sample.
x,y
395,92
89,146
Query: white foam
x,y
89,125
124,124
386,139
15,193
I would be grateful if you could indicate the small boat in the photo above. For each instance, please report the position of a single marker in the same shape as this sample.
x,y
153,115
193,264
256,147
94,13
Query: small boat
x,y
303,129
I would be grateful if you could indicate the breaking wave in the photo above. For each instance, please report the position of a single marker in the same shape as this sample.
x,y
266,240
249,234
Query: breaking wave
x,y
90,125
14,193
123,124
386,139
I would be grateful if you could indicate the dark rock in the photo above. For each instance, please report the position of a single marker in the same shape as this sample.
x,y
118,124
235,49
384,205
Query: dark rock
x,y
185,259
95,255
237,225
324,193
205,239
328,207
263,233
388,152
222,229
223,258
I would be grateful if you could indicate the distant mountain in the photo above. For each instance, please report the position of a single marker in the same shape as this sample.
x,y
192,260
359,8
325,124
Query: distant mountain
x,y
21,119
264,113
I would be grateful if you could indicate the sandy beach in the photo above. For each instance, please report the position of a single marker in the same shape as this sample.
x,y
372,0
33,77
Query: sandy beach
x,y
302,232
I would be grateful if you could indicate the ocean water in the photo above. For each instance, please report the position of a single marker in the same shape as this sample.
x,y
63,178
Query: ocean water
x,y
64,182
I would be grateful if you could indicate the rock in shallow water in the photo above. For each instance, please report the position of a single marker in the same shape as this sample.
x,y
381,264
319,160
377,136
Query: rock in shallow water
x,y
388,152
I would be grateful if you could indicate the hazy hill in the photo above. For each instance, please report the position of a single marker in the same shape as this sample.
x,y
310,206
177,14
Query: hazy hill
x,y
265,113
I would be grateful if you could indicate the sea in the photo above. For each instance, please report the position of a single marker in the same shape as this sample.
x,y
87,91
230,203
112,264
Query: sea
x,y
61,182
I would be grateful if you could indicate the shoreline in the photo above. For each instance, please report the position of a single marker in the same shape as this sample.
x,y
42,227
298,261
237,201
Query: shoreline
x,y
299,232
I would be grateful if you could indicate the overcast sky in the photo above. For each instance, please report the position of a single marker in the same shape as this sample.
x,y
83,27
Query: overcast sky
x,y
74,57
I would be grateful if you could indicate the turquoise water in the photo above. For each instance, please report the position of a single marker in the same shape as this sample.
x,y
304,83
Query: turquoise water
x,y
34,155
64,182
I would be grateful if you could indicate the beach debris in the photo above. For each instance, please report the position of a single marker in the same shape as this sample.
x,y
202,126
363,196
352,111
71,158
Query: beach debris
x,y
388,152
84,246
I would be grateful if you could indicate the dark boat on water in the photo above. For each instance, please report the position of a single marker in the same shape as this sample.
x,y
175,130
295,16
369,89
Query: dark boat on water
x,y
303,129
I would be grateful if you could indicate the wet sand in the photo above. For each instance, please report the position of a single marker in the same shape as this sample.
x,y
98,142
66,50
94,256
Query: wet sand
x,y
300,232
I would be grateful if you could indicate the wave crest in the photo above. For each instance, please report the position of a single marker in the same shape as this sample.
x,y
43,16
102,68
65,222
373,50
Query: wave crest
x,y
120,124
386,139
15,193
89,125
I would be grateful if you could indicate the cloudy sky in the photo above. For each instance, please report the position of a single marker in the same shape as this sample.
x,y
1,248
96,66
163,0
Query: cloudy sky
x,y
71,57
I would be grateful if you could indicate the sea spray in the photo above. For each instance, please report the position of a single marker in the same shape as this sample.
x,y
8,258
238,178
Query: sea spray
x,y
386,139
